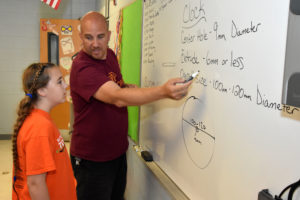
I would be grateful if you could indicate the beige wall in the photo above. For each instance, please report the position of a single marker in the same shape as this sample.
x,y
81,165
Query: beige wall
x,y
19,39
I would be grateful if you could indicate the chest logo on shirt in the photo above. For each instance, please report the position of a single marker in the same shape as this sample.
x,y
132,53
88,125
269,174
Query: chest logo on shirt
x,y
61,144
113,76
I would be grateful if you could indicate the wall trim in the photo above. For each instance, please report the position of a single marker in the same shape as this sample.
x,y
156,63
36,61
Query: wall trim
x,y
5,136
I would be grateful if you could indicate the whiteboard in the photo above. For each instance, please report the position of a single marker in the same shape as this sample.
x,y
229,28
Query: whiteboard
x,y
230,137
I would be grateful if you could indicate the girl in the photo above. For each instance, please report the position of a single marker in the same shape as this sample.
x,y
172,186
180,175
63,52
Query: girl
x,y
42,168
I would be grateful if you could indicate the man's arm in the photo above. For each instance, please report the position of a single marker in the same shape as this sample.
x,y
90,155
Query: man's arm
x,y
37,186
130,85
111,93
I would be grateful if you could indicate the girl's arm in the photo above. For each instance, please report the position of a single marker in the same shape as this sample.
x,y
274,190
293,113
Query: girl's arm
x,y
37,187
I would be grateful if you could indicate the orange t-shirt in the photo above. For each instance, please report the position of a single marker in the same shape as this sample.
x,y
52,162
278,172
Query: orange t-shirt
x,y
41,149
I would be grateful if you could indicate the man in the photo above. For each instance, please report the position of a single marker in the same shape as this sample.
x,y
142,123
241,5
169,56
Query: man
x,y
100,96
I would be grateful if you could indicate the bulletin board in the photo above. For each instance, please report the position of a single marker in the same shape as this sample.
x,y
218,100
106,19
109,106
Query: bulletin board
x,y
131,57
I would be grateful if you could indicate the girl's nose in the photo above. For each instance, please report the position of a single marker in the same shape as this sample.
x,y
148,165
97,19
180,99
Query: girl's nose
x,y
65,85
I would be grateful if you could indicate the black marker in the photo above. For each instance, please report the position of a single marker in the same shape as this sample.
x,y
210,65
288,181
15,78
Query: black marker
x,y
191,77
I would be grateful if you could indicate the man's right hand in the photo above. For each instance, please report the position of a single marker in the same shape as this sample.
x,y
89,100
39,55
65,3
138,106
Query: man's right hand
x,y
175,88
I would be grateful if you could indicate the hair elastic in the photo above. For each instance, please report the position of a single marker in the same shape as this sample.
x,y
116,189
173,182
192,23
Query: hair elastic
x,y
30,95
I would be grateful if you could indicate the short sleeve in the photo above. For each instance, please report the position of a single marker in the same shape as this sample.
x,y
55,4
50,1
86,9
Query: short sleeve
x,y
89,79
39,155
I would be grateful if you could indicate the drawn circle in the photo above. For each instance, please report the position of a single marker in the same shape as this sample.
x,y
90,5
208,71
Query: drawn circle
x,y
198,133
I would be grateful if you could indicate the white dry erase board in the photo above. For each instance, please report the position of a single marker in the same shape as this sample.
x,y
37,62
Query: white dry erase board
x,y
230,137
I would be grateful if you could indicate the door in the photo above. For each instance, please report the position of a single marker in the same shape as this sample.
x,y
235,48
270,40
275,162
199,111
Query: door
x,y
59,43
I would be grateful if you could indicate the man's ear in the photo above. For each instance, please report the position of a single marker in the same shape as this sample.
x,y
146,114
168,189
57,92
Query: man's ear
x,y
109,33
42,92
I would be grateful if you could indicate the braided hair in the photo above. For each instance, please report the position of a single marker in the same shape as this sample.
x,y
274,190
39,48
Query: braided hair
x,y
34,77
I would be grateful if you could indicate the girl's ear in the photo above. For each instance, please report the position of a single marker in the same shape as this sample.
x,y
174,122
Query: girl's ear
x,y
42,92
